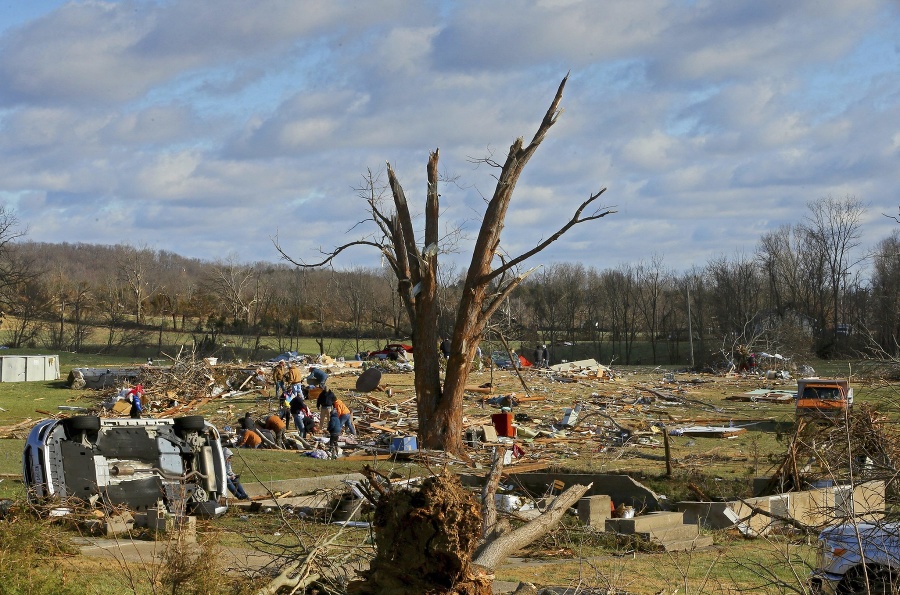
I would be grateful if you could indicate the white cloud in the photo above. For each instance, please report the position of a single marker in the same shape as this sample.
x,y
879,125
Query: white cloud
x,y
207,125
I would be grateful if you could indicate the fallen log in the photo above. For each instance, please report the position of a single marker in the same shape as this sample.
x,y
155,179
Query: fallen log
x,y
495,552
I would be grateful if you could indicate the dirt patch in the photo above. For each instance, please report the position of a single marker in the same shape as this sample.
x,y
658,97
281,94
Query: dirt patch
x,y
425,541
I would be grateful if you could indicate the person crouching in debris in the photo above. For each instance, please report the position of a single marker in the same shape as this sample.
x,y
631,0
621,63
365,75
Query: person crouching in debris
x,y
345,416
294,378
247,422
234,480
134,396
276,425
334,432
249,439
317,377
325,404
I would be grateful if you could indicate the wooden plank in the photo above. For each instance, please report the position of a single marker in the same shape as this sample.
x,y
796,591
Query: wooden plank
x,y
478,389
380,427
551,440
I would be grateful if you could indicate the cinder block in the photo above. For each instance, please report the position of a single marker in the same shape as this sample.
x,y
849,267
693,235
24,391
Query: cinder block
x,y
120,523
186,526
594,510
645,523
140,519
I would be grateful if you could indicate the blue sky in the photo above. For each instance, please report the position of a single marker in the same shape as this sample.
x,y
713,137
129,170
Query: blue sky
x,y
209,127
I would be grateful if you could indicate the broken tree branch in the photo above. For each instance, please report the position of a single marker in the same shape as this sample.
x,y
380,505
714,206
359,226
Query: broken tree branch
x,y
488,505
494,553
575,220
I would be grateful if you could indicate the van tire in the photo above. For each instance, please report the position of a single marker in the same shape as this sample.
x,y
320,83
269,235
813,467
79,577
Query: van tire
x,y
881,582
189,423
90,423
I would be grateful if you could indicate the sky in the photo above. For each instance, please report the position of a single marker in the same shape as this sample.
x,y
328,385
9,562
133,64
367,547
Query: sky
x,y
209,128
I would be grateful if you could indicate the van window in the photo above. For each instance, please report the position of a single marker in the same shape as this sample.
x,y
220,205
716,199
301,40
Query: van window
x,y
822,393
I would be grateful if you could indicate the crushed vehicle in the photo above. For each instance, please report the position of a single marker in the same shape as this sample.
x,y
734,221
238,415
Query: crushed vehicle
x,y
858,558
134,462
823,398
101,377
390,351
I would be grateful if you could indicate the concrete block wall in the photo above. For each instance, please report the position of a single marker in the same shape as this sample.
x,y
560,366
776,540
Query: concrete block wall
x,y
816,507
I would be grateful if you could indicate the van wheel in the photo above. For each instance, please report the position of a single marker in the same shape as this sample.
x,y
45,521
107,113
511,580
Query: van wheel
x,y
881,582
90,423
189,423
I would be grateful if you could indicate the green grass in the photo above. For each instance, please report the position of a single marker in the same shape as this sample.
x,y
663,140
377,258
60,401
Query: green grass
x,y
732,565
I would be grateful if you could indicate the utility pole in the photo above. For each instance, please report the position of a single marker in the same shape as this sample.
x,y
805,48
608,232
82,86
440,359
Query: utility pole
x,y
690,332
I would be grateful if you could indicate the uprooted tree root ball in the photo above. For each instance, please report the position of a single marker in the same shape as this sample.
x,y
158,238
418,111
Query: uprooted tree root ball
x,y
425,541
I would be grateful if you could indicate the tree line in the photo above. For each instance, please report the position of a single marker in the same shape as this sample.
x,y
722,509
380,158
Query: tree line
x,y
811,288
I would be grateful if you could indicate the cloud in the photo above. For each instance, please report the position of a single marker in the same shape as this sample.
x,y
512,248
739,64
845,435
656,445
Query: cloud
x,y
206,127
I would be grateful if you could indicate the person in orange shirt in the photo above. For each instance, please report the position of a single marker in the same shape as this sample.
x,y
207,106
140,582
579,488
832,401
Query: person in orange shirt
x,y
345,415
277,426
249,439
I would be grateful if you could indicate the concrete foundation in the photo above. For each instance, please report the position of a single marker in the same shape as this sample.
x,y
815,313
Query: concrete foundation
x,y
815,508
665,529
622,489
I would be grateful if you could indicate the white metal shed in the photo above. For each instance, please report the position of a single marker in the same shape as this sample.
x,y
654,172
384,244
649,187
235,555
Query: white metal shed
x,y
29,368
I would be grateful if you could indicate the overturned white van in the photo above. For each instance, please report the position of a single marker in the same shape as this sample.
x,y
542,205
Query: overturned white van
x,y
138,463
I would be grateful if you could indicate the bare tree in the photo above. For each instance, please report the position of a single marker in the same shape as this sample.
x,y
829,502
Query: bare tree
x,y
15,270
236,287
652,279
619,288
834,227
135,269
355,289
886,295
485,289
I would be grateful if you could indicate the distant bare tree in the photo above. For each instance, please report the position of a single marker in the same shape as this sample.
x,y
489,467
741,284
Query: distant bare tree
x,y
354,288
30,306
135,268
113,316
619,290
652,281
236,287
833,226
886,295
15,269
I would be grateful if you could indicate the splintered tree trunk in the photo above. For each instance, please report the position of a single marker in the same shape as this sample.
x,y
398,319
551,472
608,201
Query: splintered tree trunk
x,y
440,421
434,424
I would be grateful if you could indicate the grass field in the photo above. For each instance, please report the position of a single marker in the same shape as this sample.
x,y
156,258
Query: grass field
x,y
720,467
